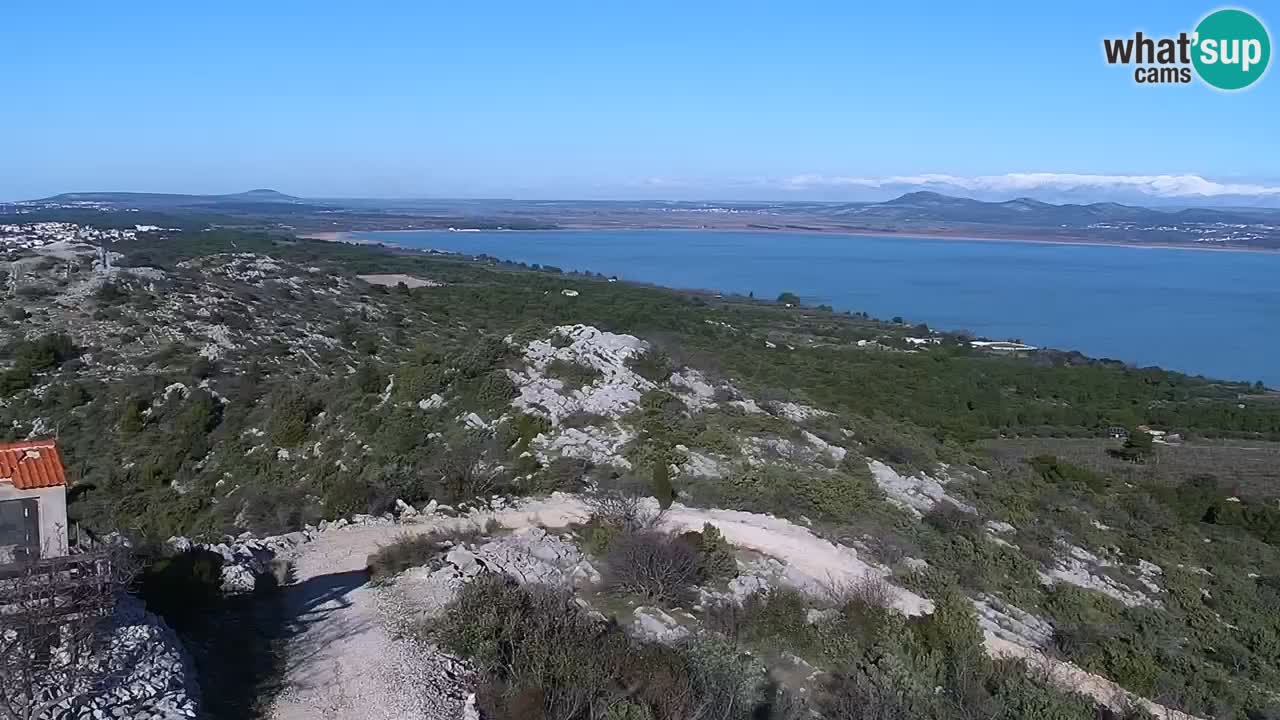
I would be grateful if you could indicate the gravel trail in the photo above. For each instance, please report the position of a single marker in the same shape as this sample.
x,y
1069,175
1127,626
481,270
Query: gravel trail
x,y
344,665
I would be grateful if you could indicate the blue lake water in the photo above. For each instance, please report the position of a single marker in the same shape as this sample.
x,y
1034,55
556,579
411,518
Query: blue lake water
x,y
1201,312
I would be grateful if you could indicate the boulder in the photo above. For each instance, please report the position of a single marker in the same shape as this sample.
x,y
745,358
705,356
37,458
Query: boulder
x,y
465,561
238,580
654,624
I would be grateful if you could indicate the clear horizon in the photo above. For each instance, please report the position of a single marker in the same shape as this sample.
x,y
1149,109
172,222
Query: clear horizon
x,y
1153,202
664,101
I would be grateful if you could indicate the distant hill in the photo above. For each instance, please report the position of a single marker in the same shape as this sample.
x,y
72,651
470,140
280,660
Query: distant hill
x,y
928,206
153,200
922,212
262,195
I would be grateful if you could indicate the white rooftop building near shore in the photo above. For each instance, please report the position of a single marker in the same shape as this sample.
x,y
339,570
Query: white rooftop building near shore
x,y
1001,346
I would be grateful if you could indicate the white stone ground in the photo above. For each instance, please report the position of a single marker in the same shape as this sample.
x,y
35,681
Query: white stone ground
x,y
346,665
395,279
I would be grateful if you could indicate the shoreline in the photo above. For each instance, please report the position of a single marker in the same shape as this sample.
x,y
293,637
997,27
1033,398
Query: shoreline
x,y
349,236
389,243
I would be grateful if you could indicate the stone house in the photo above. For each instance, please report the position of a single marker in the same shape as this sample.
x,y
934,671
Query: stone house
x,y
33,501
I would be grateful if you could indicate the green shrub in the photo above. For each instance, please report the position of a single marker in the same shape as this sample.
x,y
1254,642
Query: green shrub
x,y
524,428
717,557
349,494
907,449
368,379
831,631
653,366
563,474
34,356
292,409
407,551
1060,472
271,509
1070,606
597,536
934,666
817,494
1137,448
778,615
582,419
495,391
951,629
419,381
45,352
979,564
525,639
716,438
15,380
662,489
481,357
949,519
540,655
574,375
662,416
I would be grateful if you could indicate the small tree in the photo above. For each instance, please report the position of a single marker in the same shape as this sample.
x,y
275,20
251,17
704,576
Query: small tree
x,y
464,474
788,298
292,408
662,488
652,564
131,420
1138,447
716,554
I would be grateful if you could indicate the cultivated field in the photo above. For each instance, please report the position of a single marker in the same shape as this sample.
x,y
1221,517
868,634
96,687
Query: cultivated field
x,y
1251,467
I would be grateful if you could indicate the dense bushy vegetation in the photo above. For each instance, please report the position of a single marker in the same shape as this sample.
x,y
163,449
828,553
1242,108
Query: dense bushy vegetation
x,y
541,655
834,496
34,356
1210,646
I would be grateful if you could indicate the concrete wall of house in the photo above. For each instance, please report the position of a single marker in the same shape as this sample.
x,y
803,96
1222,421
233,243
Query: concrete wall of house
x,y
53,515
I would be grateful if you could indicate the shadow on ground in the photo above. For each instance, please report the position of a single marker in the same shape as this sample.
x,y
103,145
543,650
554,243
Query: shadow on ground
x,y
238,644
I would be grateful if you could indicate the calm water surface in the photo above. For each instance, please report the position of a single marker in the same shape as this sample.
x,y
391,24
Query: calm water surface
x,y
1201,312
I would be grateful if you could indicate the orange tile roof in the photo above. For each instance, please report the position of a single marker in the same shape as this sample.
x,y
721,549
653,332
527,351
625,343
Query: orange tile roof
x,y
31,464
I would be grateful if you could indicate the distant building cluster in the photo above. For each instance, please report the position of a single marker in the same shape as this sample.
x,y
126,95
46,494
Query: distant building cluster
x,y
718,210
29,206
35,235
1216,232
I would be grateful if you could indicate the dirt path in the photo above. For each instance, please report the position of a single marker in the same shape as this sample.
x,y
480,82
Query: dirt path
x,y
344,665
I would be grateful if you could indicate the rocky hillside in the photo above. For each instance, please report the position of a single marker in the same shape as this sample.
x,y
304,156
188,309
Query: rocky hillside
x,y
212,384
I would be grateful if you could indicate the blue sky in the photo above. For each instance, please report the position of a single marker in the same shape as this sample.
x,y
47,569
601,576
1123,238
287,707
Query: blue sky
x,y
600,99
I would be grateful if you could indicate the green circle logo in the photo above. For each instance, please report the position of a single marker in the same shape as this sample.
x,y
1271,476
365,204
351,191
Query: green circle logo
x,y
1232,49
